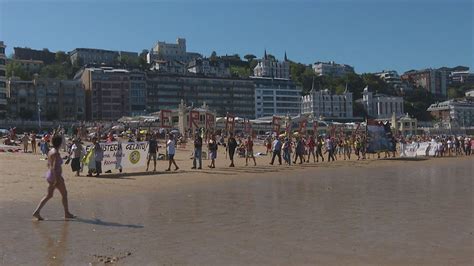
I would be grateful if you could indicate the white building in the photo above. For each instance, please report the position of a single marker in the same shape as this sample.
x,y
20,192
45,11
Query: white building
x,y
470,94
276,97
3,84
171,67
206,67
392,78
324,104
332,69
271,68
171,52
454,113
461,77
381,105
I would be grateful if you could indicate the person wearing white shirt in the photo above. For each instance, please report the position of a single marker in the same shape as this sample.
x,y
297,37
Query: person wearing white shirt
x,y
171,150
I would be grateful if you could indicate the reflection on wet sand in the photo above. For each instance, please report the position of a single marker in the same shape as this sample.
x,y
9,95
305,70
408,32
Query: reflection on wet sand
x,y
54,246
391,213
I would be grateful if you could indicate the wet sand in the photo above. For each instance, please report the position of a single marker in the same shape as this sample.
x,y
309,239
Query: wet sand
x,y
386,212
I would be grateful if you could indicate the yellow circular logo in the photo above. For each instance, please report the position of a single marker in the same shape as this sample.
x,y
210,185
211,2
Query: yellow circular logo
x,y
134,157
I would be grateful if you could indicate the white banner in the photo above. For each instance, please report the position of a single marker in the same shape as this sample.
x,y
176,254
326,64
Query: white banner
x,y
427,149
409,150
123,155
433,148
423,148
135,154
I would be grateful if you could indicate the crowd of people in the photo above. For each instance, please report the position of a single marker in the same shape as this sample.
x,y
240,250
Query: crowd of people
x,y
283,149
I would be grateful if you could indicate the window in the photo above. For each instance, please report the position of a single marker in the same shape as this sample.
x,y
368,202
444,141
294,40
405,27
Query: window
x,y
268,99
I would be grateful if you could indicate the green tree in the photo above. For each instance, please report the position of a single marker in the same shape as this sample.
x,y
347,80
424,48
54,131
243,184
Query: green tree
x,y
15,69
271,57
359,110
249,57
238,71
376,84
58,71
454,93
213,56
143,64
253,64
61,57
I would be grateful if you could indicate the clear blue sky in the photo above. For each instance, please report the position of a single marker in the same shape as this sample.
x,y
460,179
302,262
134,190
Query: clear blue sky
x,y
368,34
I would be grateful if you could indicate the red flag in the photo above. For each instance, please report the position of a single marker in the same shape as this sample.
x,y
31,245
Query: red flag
x,y
193,119
302,128
210,121
276,124
165,117
356,130
230,123
315,127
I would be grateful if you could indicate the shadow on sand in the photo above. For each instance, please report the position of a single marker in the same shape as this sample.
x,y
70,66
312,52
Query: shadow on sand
x,y
406,159
96,221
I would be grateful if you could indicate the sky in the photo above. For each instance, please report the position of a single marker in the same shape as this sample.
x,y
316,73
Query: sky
x,y
371,35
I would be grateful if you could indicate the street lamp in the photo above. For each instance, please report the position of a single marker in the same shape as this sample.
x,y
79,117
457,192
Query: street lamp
x,y
39,115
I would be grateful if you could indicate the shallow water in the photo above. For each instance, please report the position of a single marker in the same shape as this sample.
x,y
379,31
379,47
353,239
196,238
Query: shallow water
x,y
408,213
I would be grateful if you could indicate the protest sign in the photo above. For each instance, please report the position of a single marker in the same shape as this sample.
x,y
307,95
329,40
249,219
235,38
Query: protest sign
x,y
408,150
119,155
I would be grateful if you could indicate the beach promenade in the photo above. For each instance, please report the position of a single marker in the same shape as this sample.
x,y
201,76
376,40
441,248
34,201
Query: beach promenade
x,y
371,212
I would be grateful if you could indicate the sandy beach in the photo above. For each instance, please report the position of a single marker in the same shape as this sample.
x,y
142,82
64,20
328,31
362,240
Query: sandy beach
x,y
372,212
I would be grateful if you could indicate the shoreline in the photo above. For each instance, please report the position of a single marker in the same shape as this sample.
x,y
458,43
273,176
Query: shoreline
x,y
382,212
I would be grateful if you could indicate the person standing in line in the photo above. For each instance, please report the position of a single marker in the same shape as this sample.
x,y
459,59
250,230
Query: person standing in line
x,y
171,150
319,149
329,149
299,150
467,146
44,145
346,148
98,157
76,156
268,144
152,151
231,146
450,146
249,151
212,147
55,181
287,151
276,150
33,142
311,145
357,147
197,151
25,139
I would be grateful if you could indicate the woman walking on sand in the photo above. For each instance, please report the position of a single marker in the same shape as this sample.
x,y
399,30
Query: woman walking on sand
x,y
171,150
55,180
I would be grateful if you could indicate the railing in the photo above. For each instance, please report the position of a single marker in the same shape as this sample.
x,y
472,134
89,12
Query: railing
x,y
29,124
